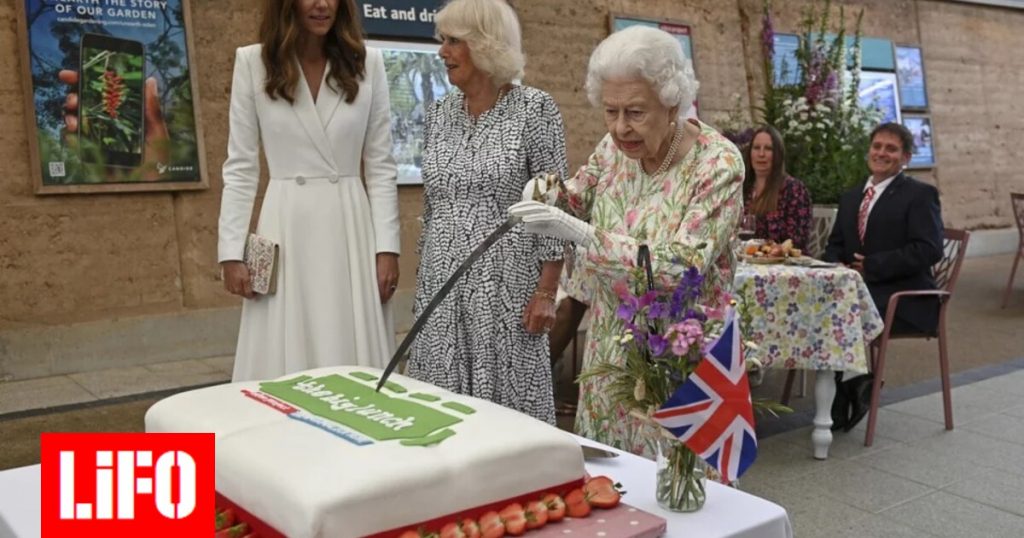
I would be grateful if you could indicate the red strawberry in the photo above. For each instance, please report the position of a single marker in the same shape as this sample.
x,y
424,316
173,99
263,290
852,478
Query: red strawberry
x,y
536,515
556,507
418,533
491,525
225,519
514,518
602,492
576,504
452,530
470,528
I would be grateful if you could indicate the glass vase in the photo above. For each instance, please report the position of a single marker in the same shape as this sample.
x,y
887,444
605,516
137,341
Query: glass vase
x,y
682,477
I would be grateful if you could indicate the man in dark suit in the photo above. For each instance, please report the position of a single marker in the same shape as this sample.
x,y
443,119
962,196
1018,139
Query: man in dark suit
x,y
889,230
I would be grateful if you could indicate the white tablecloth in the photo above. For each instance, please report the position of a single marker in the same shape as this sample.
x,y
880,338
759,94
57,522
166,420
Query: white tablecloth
x,y
728,512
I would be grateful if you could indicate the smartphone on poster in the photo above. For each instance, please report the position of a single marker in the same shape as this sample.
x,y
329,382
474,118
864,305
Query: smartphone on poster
x,y
111,79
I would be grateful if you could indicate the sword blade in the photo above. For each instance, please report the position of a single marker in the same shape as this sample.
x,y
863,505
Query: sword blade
x,y
441,294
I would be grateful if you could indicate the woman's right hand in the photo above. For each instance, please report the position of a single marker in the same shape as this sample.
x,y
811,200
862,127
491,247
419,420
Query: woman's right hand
x,y
236,278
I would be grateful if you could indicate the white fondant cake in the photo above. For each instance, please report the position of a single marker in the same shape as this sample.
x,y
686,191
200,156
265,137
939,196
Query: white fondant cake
x,y
319,454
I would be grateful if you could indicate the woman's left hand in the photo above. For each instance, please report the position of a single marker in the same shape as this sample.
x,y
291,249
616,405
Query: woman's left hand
x,y
387,275
539,315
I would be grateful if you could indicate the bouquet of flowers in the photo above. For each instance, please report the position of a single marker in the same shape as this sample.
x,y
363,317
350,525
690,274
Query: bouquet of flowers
x,y
664,336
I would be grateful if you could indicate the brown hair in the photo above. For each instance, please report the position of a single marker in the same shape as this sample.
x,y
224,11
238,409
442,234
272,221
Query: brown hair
x,y
899,131
769,199
343,46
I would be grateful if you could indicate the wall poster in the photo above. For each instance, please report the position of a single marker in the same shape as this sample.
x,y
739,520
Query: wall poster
x,y
924,151
111,94
878,90
910,70
416,79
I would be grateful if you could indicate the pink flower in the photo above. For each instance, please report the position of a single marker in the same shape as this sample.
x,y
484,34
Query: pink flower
x,y
621,289
631,217
684,335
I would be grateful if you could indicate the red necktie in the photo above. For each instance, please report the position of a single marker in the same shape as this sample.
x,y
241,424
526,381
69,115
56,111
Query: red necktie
x,y
862,216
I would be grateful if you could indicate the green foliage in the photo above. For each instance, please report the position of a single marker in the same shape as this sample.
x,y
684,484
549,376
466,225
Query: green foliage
x,y
823,125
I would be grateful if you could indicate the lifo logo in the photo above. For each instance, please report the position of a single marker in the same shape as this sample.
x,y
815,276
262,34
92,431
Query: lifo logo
x,y
119,484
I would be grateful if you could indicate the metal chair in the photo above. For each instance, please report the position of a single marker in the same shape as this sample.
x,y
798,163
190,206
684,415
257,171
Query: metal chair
x,y
822,220
945,272
1017,199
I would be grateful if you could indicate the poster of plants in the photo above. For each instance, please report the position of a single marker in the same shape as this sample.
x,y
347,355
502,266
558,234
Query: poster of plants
x,y
111,94
416,79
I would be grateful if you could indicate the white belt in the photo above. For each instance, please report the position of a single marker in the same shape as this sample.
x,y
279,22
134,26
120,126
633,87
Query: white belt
x,y
301,180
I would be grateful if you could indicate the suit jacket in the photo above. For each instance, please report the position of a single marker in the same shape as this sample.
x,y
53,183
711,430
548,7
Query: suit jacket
x,y
902,241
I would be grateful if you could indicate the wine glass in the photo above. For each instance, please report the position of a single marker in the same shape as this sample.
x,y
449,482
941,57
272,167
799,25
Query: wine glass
x,y
748,227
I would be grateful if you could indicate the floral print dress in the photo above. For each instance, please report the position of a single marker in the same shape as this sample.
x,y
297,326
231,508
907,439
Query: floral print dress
x,y
687,217
791,218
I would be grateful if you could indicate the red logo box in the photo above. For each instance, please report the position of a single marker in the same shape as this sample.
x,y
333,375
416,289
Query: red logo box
x,y
127,484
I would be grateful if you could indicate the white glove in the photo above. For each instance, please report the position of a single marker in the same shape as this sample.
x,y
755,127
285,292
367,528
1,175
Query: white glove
x,y
543,188
546,220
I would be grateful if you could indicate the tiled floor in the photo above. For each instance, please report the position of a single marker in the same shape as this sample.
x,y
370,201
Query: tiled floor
x,y
47,392
918,479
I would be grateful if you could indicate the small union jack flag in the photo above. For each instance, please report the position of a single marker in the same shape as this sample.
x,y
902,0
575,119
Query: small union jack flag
x,y
711,412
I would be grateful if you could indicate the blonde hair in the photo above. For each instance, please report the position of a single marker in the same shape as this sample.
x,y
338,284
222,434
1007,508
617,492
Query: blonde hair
x,y
491,30
649,54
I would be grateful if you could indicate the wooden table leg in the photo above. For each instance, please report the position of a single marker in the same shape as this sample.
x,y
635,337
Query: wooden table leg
x,y
824,393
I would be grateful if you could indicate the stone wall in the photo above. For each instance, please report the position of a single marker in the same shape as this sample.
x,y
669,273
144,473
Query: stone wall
x,y
69,260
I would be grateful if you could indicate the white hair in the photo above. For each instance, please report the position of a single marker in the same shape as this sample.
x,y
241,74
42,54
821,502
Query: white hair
x,y
649,54
491,30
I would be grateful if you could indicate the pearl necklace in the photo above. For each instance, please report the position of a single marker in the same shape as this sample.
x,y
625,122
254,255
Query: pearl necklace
x,y
672,148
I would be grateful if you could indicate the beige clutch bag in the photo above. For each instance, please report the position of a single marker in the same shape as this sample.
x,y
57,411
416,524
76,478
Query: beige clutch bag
x,y
261,256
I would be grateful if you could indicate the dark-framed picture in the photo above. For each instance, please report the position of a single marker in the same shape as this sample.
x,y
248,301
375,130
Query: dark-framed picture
x,y
878,89
679,29
110,94
416,79
910,71
924,151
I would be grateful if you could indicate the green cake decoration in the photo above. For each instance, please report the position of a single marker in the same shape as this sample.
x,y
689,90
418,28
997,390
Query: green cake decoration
x,y
425,397
431,439
365,376
456,406
394,387
352,404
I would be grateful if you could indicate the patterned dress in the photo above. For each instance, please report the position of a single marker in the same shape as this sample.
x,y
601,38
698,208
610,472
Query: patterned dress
x,y
697,201
791,218
475,342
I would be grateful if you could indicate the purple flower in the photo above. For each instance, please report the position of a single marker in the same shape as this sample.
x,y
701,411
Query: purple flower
x,y
657,344
626,311
658,310
767,35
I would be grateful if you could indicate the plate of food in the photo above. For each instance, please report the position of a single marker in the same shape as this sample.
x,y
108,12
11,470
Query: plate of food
x,y
769,252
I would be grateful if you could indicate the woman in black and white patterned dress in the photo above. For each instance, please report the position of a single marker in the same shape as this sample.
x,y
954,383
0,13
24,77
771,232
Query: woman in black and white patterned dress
x,y
484,141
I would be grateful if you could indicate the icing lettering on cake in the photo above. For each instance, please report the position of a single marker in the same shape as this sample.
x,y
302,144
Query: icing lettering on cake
x,y
345,406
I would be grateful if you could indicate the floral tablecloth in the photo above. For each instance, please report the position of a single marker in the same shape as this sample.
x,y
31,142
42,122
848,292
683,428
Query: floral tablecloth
x,y
808,318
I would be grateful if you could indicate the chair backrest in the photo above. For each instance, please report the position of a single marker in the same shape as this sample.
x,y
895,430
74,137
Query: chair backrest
x,y
954,248
1017,199
822,220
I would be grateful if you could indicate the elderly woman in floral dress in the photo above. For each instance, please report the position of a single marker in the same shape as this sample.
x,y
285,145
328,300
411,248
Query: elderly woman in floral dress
x,y
656,179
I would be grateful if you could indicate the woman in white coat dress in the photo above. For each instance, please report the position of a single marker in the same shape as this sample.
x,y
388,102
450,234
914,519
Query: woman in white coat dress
x,y
317,99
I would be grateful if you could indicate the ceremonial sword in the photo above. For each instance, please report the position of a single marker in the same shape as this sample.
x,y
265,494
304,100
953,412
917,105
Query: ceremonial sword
x,y
442,293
